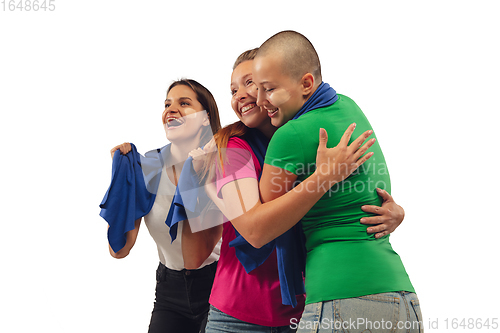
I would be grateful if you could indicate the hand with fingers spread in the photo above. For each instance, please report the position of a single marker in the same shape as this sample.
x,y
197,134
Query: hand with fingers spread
x,y
336,164
124,148
389,215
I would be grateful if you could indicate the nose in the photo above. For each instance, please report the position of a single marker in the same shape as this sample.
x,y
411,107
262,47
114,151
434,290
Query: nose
x,y
240,95
260,97
168,110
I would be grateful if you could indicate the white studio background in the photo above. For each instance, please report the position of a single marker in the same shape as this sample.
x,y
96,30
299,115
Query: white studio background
x,y
76,81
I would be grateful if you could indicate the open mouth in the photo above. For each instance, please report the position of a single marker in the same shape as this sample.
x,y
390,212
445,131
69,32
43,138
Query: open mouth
x,y
173,123
272,113
247,108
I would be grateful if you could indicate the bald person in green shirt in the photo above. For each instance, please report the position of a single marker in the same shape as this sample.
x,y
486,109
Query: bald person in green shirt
x,y
352,278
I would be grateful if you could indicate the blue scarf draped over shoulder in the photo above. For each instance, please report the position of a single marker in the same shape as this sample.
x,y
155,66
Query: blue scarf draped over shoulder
x,y
323,96
189,199
290,246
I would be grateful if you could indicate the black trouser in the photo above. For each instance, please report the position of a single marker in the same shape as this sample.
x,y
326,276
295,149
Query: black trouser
x,y
181,303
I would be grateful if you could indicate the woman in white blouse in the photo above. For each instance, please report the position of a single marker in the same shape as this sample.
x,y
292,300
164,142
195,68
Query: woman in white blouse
x,y
187,265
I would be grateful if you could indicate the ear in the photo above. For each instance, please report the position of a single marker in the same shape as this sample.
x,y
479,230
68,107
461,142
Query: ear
x,y
206,121
307,83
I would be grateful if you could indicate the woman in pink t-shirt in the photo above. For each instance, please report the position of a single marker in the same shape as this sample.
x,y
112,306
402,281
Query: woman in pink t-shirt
x,y
242,301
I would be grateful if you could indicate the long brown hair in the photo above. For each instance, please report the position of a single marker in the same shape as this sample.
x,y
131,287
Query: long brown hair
x,y
237,129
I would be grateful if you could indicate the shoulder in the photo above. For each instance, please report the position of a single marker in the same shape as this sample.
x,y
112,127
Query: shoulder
x,y
345,98
345,101
287,130
238,150
286,145
237,142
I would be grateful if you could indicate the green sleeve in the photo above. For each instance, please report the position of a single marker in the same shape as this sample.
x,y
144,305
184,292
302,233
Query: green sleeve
x,y
285,149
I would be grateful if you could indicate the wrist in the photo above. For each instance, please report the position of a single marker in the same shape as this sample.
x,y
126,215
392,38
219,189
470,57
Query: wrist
x,y
324,181
326,177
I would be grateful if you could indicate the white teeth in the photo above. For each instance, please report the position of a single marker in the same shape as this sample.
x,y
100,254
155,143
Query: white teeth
x,y
247,108
272,112
176,122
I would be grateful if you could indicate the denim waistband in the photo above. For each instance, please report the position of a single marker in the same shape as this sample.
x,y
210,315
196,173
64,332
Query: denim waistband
x,y
163,271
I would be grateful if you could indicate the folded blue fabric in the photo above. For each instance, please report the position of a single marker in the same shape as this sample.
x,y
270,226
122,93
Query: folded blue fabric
x,y
127,197
290,249
134,184
323,96
189,195
291,256
290,253
249,256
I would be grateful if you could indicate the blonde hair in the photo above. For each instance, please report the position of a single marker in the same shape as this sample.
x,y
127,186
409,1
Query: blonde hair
x,y
245,56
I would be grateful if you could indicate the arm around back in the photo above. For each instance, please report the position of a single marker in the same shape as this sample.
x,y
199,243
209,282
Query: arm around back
x,y
260,223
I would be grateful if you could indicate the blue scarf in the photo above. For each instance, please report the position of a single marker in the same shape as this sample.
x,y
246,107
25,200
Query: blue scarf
x,y
323,96
189,199
290,257
132,192
258,142
249,256
130,195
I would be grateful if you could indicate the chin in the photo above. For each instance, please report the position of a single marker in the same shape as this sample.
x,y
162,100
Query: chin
x,y
277,122
249,123
171,137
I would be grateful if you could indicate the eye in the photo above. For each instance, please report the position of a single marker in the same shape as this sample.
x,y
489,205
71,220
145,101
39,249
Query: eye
x,y
233,92
269,90
167,105
185,104
249,82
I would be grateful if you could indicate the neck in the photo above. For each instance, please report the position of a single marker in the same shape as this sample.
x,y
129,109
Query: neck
x,y
179,151
267,128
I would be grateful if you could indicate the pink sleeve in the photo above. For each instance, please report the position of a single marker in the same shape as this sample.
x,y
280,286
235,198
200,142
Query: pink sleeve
x,y
240,163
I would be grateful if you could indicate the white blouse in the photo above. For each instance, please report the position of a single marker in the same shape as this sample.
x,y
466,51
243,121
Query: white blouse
x,y
170,253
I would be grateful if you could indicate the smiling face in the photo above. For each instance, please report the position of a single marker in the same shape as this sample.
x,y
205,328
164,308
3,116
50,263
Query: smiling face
x,y
280,95
182,117
244,97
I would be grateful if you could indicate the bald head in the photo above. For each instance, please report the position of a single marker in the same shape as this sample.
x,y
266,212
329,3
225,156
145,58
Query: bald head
x,y
297,54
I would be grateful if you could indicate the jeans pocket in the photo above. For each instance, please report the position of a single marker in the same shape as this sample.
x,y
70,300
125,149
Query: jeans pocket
x,y
371,313
415,304
309,323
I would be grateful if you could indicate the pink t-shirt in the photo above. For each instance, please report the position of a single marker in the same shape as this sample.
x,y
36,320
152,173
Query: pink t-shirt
x,y
254,297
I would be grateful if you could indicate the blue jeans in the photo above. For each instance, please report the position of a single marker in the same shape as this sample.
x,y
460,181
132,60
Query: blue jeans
x,y
218,321
394,312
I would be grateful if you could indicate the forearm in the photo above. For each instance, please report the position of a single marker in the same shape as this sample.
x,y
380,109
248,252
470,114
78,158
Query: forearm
x,y
266,221
197,246
131,238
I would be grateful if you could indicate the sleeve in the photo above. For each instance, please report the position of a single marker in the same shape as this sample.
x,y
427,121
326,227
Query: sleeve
x,y
285,149
238,164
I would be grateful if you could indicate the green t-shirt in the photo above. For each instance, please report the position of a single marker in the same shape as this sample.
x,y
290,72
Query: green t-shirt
x,y
343,260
